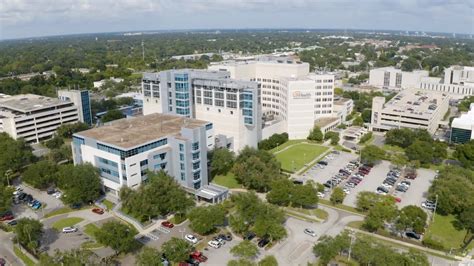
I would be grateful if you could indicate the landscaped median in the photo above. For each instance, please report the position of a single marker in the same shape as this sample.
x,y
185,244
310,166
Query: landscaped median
x,y
312,215
26,260
66,222
296,156
90,230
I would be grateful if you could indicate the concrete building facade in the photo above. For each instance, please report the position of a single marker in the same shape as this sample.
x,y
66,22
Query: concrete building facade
x,y
409,109
233,106
81,100
392,78
33,117
124,150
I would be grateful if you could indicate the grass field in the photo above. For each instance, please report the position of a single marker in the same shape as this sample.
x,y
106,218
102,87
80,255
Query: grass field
x,y
228,180
90,229
70,221
442,230
26,260
288,143
295,157
108,204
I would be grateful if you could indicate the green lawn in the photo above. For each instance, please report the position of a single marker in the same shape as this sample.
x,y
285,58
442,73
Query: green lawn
x,y
391,148
90,229
91,245
70,221
64,210
295,157
108,204
26,260
228,180
442,230
288,143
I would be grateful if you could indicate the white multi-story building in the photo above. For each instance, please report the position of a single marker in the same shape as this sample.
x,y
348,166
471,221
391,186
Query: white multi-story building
x,y
33,117
292,97
462,128
457,81
81,100
393,78
233,106
343,107
124,150
413,109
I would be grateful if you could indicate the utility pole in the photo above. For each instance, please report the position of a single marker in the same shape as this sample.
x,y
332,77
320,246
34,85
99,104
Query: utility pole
x,y
8,174
143,50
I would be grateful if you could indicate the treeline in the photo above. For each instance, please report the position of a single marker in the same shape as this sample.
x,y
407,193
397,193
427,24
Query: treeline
x,y
273,141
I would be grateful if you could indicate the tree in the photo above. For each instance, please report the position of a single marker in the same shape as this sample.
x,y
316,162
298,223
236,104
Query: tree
x,y
465,154
304,195
176,249
366,115
54,143
118,236
256,169
409,64
328,247
66,130
222,160
466,221
280,193
241,262
334,136
204,219
273,141
378,214
81,183
420,151
285,192
5,197
372,154
245,249
412,217
14,156
315,134
269,260
366,200
112,115
149,257
153,199
69,257
41,174
337,196
28,233
358,121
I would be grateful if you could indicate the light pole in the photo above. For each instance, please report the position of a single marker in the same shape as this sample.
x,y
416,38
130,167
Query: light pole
x,y
182,232
434,211
8,174
350,246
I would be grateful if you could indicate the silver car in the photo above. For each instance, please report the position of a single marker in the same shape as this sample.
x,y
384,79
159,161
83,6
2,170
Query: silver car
x,y
310,232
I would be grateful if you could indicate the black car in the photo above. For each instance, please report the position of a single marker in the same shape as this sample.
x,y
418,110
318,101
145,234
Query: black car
x,y
401,188
51,190
21,196
249,236
227,237
76,206
12,223
263,242
413,235
382,189
192,262
323,162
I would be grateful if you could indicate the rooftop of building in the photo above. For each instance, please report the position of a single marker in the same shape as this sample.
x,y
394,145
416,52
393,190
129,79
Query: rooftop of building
x,y
131,132
341,101
28,102
262,59
325,121
415,102
393,69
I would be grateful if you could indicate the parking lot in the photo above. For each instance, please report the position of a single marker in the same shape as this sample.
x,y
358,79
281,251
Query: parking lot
x,y
321,175
418,190
49,203
159,235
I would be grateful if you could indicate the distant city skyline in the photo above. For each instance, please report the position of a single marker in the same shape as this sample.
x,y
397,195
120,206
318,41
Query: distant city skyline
x,y
23,18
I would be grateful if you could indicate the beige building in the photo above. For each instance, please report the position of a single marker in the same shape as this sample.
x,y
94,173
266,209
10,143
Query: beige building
x,y
393,78
409,109
34,117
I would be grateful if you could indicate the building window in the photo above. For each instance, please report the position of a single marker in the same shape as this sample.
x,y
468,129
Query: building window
x,y
143,163
208,126
181,147
196,165
197,175
181,166
196,145
181,157
195,155
183,176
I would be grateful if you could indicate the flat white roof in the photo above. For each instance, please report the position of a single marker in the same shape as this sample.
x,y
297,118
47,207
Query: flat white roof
x,y
465,121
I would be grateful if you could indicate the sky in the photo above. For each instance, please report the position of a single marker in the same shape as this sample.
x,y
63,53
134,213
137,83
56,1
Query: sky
x,y
33,18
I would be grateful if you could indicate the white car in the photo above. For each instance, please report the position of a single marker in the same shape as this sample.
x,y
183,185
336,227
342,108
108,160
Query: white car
x,y
57,195
347,191
214,244
69,229
310,232
191,238
321,195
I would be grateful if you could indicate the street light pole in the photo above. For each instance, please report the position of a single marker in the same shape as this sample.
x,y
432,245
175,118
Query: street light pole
x,y
434,211
350,246
8,174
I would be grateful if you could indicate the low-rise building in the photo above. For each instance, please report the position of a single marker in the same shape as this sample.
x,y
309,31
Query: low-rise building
x,y
124,150
409,109
81,100
100,83
34,117
458,80
343,107
462,128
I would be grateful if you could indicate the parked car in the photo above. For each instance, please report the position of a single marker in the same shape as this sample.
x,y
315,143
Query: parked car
x,y
76,206
227,237
263,242
310,232
323,163
69,229
3,262
191,238
398,200
7,217
214,244
428,205
12,223
401,188
98,211
413,235
167,224
36,206
51,191
249,236
197,255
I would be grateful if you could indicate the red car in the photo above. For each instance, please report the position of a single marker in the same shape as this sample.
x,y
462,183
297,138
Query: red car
x,y
167,224
398,200
6,218
98,210
197,255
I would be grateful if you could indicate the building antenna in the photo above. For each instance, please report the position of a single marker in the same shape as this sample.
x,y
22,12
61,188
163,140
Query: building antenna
x,y
143,50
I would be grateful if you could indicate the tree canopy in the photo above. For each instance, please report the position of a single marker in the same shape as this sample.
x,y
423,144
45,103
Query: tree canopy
x,y
284,193
29,232
222,161
118,236
245,249
176,249
315,134
204,219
